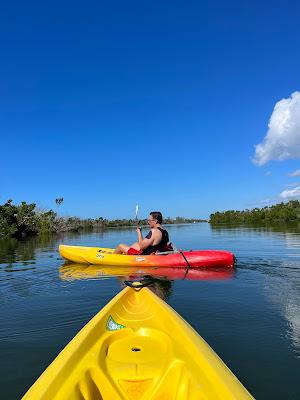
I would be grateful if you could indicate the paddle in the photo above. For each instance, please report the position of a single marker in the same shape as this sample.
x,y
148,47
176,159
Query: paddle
x,y
136,213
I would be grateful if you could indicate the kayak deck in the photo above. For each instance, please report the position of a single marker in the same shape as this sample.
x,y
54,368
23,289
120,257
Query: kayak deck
x,y
106,256
137,347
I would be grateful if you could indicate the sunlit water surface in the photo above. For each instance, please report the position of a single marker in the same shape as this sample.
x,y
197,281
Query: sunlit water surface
x,y
251,319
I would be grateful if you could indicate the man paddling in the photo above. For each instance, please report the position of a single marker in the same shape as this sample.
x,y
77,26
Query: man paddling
x,y
156,240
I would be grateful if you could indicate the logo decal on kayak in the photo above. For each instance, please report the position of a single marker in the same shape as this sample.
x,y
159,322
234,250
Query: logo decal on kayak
x,y
140,259
112,325
99,256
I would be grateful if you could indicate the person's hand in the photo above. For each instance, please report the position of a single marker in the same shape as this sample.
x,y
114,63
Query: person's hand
x,y
138,229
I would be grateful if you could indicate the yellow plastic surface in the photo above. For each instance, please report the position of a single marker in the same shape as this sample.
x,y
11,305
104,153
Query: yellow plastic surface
x,y
137,347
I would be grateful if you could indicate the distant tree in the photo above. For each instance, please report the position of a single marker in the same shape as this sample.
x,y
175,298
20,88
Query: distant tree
x,y
59,201
282,212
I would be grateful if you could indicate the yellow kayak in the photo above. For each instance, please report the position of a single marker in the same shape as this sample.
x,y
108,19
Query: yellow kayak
x,y
137,347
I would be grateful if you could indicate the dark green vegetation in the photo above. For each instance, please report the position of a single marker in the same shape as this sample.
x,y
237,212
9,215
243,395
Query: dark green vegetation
x,y
279,213
26,220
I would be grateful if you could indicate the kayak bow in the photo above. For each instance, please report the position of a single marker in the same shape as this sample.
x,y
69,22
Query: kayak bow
x,y
137,347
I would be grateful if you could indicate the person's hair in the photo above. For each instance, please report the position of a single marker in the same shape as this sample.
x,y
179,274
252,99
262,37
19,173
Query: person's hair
x,y
158,216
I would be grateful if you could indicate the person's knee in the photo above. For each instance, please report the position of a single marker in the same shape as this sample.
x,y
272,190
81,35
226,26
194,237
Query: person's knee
x,y
135,246
119,249
122,248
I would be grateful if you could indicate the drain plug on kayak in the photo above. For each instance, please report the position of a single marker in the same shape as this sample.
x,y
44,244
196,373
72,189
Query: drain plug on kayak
x,y
135,349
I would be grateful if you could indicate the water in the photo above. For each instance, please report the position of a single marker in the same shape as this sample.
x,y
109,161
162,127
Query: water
x,y
251,319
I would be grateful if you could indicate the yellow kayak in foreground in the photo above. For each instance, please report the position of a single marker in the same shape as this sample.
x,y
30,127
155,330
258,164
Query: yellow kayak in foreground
x,y
137,347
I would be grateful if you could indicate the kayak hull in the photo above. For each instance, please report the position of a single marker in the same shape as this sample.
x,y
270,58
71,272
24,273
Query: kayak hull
x,y
137,347
105,256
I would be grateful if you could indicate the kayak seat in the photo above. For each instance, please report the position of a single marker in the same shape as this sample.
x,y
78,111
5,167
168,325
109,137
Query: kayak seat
x,y
145,359
169,381
168,249
131,364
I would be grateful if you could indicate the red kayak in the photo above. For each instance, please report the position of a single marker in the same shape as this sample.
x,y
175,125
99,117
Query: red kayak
x,y
196,259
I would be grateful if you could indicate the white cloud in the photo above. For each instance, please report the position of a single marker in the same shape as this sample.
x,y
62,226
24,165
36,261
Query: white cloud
x,y
282,140
295,173
293,184
290,193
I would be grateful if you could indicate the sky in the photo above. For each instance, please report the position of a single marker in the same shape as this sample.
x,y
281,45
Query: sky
x,y
179,106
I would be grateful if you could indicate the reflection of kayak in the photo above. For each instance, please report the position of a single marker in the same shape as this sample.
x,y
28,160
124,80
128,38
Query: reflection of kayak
x,y
104,256
137,347
192,274
79,271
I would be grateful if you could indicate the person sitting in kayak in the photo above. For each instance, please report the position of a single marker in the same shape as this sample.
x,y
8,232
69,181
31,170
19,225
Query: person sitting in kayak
x,y
156,240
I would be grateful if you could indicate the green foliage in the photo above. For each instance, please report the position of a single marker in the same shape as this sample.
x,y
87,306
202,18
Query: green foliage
x,y
47,221
17,221
282,212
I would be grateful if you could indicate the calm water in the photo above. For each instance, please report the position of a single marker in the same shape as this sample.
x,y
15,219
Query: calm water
x,y
251,319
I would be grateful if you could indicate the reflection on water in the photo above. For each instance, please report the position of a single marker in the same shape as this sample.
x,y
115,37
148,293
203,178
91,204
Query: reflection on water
x,y
292,242
293,316
277,255
12,250
160,286
257,306
284,292
162,278
74,271
280,228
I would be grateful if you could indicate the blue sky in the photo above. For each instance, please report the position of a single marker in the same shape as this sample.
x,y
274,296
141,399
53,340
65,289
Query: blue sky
x,y
110,104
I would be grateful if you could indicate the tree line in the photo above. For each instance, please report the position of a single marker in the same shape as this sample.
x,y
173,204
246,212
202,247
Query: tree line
x,y
278,213
21,220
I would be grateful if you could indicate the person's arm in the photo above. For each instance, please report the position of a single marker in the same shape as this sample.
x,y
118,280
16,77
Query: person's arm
x,y
139,234
149,239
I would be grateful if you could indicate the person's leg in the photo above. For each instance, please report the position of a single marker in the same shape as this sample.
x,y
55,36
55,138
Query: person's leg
x,y
121,249
135,246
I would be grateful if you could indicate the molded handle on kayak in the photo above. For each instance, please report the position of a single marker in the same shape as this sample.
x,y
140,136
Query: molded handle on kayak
x,y
139,284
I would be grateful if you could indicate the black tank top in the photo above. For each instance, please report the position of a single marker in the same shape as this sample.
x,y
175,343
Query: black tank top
x,y
160,246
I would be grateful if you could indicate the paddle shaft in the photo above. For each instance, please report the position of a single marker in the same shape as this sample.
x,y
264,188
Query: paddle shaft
x,y
136,214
